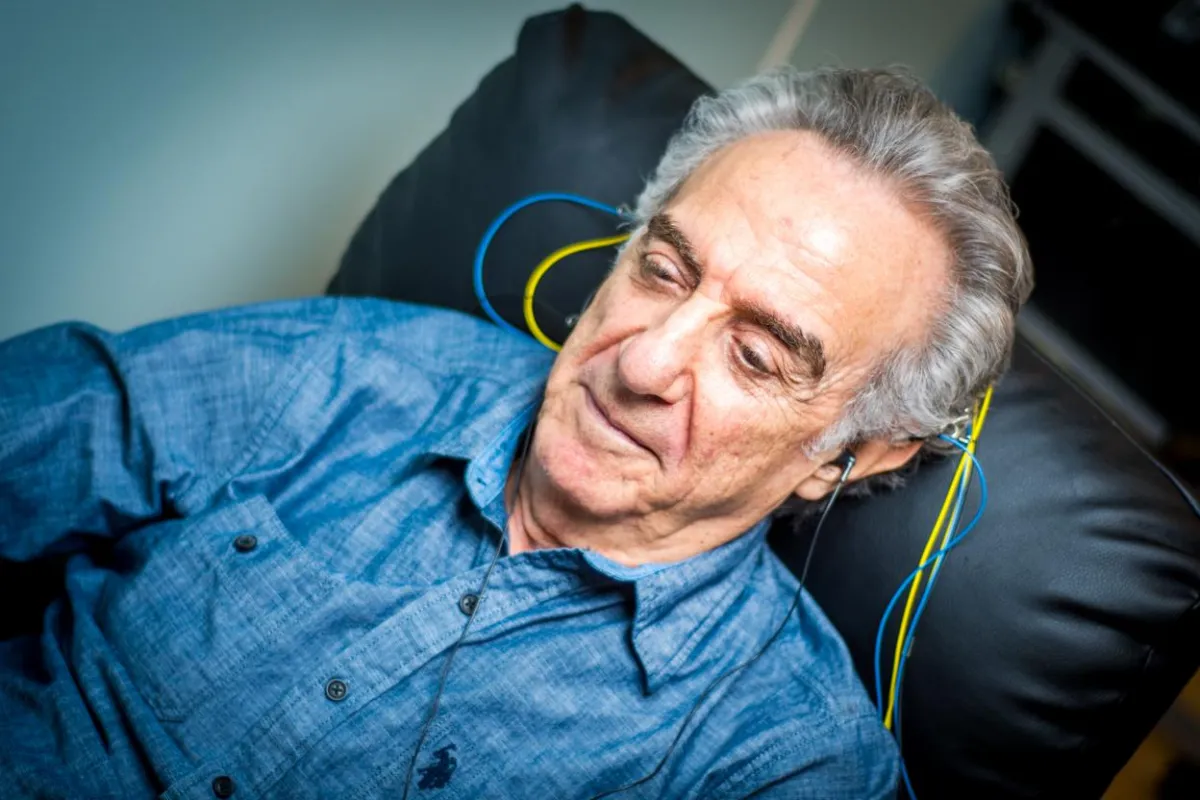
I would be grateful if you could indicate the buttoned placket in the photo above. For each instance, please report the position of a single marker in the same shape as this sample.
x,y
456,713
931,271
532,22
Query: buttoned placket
x,y
388,655
309,710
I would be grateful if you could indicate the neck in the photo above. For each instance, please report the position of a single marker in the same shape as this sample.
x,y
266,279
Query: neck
x,y
540,517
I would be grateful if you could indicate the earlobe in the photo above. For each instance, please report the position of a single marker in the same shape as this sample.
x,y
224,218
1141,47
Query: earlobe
x,y
813,487
827,477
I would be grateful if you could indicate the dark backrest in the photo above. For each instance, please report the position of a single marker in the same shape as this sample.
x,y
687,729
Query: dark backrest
x,y
1064,625
1060,630
586,106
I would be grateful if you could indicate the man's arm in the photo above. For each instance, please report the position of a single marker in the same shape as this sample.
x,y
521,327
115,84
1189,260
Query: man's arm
x,y
101,432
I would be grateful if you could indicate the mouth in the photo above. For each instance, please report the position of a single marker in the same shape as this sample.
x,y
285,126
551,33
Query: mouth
x,y
615,430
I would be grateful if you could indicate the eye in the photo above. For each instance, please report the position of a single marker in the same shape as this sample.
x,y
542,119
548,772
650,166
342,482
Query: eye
x,y
657,268
752,359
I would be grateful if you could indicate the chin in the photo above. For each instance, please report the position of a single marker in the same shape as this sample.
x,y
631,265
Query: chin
x,y
594,482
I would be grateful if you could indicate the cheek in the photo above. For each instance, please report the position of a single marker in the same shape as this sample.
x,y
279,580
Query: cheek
x,y
584,335
739,428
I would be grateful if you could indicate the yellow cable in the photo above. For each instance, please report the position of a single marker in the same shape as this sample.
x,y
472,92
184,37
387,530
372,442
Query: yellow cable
x,y
543,268
976,427
962,473
912,591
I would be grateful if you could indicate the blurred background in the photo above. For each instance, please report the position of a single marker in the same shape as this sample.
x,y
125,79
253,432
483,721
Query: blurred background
x,y
161,158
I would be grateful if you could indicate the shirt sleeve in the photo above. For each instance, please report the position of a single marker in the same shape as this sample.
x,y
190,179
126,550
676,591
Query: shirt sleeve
x,y
100,432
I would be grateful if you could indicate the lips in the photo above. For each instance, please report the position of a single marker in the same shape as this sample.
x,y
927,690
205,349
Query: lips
x,y
608,420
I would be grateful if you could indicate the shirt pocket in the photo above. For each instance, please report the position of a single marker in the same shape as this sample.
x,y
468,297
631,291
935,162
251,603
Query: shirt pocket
x,y
193,599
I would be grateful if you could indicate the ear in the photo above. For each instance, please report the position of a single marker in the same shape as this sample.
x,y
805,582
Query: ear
x,y
871,458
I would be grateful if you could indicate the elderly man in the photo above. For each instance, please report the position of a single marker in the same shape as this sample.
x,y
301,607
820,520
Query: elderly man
x,y
356,549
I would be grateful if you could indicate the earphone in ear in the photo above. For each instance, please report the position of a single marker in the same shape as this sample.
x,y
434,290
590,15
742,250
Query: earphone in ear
x,y
846,461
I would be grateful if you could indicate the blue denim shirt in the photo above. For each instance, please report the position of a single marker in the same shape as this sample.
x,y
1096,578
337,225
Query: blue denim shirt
x,y
274,513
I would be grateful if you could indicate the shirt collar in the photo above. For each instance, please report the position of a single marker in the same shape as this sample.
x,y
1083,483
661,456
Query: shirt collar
x,y
679,604
484,428
676,604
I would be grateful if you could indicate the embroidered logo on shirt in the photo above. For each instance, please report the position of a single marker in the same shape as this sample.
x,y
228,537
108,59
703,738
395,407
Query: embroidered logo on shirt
x,y
437,774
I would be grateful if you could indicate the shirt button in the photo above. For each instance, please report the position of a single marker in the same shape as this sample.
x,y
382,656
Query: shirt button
x,y
245,543
467,603
336,690
222,786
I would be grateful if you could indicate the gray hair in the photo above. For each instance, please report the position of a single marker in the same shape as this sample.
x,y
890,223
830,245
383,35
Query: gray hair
x,y
890,124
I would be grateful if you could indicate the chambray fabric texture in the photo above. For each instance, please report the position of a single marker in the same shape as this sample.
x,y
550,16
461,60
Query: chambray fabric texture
x,y
365,445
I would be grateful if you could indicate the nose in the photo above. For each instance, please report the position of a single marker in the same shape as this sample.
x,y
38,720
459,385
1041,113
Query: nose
x,y
657,361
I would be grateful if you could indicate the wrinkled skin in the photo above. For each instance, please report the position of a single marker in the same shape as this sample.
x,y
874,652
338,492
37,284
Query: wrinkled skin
x,y
675,418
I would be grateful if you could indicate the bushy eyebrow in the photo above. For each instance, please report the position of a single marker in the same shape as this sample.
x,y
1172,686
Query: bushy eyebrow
x,y
663,228
804,346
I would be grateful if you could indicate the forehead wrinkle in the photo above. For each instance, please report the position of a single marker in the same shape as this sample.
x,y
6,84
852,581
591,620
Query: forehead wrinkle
x,y
805,346
817,242
798,338
802,250
854,293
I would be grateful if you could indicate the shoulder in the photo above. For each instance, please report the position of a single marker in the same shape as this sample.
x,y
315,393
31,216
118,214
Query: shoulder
x,y
803,718
304,372
440,339
364,331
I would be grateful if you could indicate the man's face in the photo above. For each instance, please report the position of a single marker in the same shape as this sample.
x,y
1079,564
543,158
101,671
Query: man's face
x,y
731,332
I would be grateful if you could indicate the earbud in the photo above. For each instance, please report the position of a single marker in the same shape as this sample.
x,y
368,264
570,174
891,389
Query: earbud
x,y
837,470
846,461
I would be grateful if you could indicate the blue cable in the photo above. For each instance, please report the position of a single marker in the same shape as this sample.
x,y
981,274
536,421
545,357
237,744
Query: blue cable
x,y
887,613
960,502
906,648
484,243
